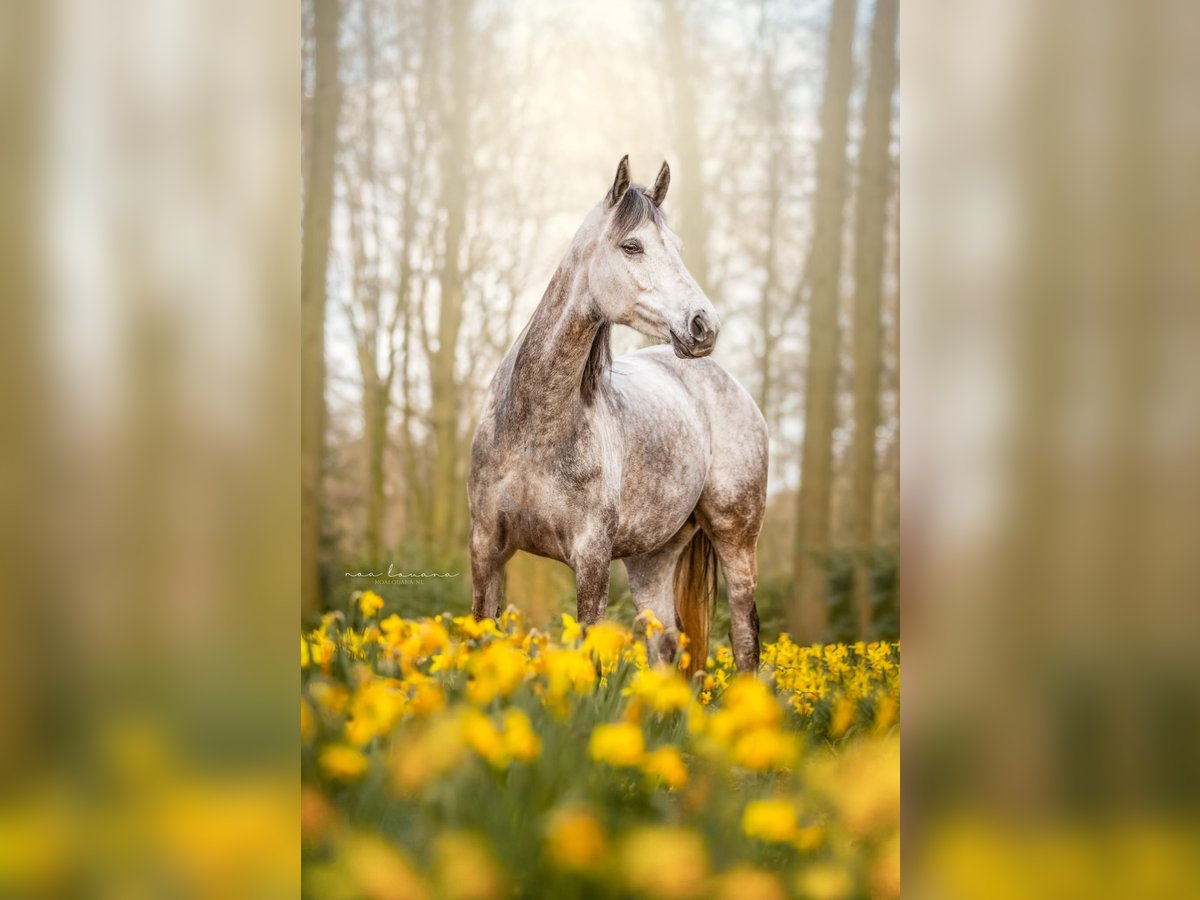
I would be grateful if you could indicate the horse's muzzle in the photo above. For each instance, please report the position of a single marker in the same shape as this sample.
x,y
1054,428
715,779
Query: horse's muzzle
x,y
699,340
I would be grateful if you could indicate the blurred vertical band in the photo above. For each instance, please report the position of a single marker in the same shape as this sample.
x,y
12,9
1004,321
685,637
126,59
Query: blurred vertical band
x,y
149,242
1051,440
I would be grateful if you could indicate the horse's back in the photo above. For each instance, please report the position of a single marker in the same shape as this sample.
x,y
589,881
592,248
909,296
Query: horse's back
x,y
724,405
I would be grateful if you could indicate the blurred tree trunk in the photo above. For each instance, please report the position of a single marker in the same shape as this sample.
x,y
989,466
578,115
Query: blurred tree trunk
x,y
688,178
318,203
448,494
774,135
870,222
376,384
822,277
410,290
375,409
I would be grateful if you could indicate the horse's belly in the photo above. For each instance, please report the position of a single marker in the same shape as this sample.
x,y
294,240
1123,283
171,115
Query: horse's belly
x,y
656,500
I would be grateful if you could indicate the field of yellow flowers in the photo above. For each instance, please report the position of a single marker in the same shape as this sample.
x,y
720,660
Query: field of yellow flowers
x,y
445,758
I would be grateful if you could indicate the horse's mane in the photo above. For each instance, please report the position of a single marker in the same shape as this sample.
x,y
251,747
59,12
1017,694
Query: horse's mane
x,y
634,209
599,361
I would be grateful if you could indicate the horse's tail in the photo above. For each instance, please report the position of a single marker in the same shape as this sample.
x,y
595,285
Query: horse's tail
x,y
695,597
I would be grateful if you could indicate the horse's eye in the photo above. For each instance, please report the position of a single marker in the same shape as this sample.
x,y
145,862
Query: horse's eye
x,y
632,247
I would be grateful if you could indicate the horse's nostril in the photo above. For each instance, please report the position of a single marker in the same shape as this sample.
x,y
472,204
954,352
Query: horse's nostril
x,y
699,326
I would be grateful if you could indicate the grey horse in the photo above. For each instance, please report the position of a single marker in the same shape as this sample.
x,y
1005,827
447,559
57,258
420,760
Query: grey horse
x,y
657,458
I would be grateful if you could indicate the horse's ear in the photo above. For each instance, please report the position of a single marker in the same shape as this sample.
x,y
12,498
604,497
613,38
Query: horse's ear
x,y
658,193
620,183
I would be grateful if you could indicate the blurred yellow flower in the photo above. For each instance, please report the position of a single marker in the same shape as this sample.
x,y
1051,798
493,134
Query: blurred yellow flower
x,y
342,763
373,710
650,621
380,872
666,765
865,786
330,697
770,820
496,671
369,604
572,630
605,640
510,619
748,883
427,697
885,716
575,841
566,672
843,715
454,656
664,862
482,736
810,837
520,741
305,656
662,689
428,753
765,748
619,744
466,869
825,881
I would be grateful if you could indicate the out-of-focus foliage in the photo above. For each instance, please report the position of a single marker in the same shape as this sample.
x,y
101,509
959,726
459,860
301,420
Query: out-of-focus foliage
x,y
532,764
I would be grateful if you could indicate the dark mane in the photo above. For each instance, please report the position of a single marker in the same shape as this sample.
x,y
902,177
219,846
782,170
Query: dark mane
x,y
595,371
634,209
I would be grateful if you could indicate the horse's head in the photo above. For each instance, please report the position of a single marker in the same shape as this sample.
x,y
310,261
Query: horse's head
x,y
636,272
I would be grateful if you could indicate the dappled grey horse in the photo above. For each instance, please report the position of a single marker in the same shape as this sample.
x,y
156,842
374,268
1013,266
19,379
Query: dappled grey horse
x,y
657,458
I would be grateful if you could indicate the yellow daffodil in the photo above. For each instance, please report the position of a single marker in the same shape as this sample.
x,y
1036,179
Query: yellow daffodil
x,y
650,623
482,736
748,883
520,741
664,862
605,641
428,753
770,820
825,881
466,869
844,710
619,744
661,689
765,748
496,671
369,604
575,841
341,762
572,630
377,869
665,765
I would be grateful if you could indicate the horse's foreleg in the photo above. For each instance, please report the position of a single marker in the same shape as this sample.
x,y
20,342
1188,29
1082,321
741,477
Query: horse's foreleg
x,y
591,589
487,575
740,563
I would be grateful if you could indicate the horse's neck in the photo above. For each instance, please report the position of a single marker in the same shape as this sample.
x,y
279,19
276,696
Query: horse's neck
x,y
543,394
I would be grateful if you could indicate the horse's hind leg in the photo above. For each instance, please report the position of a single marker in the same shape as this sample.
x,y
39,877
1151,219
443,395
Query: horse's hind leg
x,y
739,560
652,584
